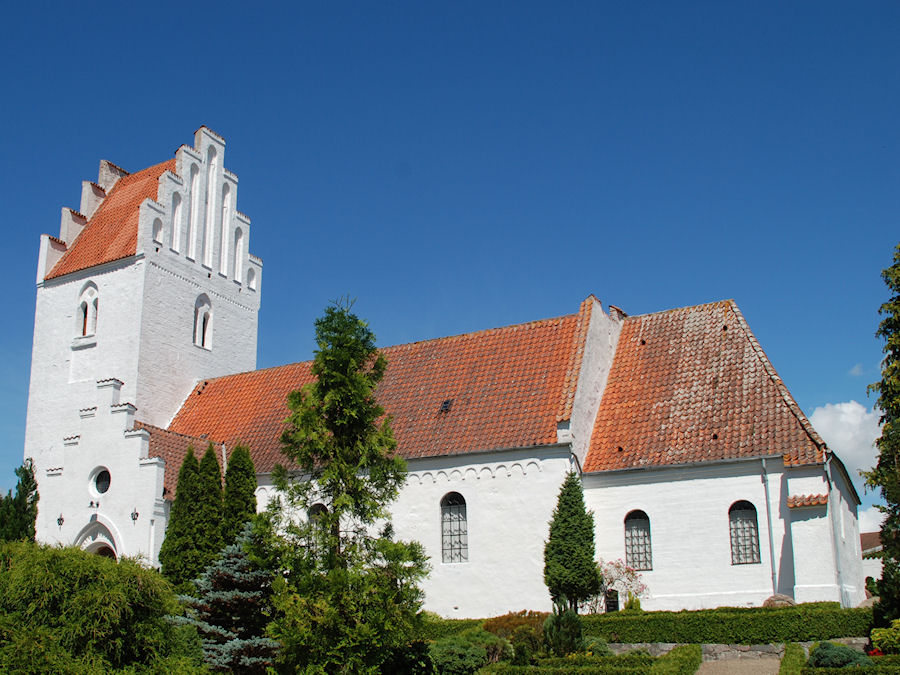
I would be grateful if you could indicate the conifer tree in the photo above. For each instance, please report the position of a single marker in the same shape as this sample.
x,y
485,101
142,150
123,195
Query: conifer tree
x,y
886,474
240,493
231,610
209,509
180,560
18,512
348,598
570,571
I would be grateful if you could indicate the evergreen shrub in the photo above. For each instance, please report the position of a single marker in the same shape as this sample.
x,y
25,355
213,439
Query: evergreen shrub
x,y
831,655
467,652
563,633
887,639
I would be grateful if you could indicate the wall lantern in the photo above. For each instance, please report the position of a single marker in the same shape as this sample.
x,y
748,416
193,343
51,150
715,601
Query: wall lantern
x,y
60,520
134,515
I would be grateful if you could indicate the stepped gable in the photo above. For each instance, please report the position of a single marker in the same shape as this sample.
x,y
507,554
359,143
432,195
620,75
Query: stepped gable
x,y
111,233
173,448
693,385
504,387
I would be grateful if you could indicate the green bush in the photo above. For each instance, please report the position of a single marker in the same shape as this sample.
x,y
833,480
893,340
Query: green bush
x,y
856,670
683,660
434,628
793,660
563,633
819,621
887,639
467,652
831,655
75,612
411,659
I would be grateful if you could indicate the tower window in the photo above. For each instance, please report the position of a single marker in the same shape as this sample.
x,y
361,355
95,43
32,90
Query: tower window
x,y
203,322
88,304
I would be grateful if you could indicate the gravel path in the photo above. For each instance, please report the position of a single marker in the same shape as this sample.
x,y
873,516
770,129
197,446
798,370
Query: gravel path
x,y
764,666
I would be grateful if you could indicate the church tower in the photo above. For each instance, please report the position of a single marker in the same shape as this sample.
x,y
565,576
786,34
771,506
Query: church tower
x,y
149,288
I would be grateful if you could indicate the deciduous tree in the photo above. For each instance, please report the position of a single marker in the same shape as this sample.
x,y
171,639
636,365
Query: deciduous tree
x,y
570,572
886,474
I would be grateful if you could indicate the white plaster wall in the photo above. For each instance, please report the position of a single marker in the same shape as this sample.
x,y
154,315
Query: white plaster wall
x,y
850,570
871,567
66,367
690,535
136,482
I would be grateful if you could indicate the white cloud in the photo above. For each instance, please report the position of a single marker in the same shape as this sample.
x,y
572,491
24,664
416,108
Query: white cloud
x,y
850,431
856,371
870,519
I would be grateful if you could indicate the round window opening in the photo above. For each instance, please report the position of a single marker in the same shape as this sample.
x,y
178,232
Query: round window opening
x,y
102,481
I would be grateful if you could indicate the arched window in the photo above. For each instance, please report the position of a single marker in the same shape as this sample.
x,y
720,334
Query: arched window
x,y
225,227
238,254
212,166
194,213
203,322
251,279
638,550
454,529
158,231
744,533
176,222
86,316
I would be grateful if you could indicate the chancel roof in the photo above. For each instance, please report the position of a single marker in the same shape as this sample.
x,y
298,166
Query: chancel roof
x,y
693,385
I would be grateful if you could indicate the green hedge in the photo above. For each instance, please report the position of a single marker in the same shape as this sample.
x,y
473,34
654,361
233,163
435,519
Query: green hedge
x,y
793,660
732,625
682,660
436,629
856,670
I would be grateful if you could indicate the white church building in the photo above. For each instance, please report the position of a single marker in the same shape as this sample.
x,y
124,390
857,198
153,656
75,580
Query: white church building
x,y
701,470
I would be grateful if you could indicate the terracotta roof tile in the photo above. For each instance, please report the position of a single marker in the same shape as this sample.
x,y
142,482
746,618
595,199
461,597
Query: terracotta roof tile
x,y
692,385
111,234
800,501
870,542
172,447
507,386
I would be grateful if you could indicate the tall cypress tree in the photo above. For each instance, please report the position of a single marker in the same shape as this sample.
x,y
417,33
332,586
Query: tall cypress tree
x,y
18,512
179,558
886,474
240,493
209,509
570,572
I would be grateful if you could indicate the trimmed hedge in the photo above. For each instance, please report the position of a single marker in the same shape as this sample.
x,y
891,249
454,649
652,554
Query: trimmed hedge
x,y
436,629
732,625
856,670
793,660
683,660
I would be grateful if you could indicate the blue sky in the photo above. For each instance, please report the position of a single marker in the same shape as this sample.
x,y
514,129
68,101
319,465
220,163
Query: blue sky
x,y
459,166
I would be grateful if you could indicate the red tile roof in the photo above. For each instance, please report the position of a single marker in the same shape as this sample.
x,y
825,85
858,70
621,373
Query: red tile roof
x,y
870,542
111,234
507,386
172,448
692,385
799,501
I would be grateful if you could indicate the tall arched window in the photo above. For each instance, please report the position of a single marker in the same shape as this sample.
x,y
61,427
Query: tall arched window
x,y
238,254
194,213
176,222
638,550
744,533
212,166
203,322
158,235
225,228
251,279
88,304
454,529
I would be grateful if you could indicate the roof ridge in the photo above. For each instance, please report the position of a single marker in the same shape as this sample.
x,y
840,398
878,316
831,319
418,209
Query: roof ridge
x,y
485,331
138,424
776,379
678,309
